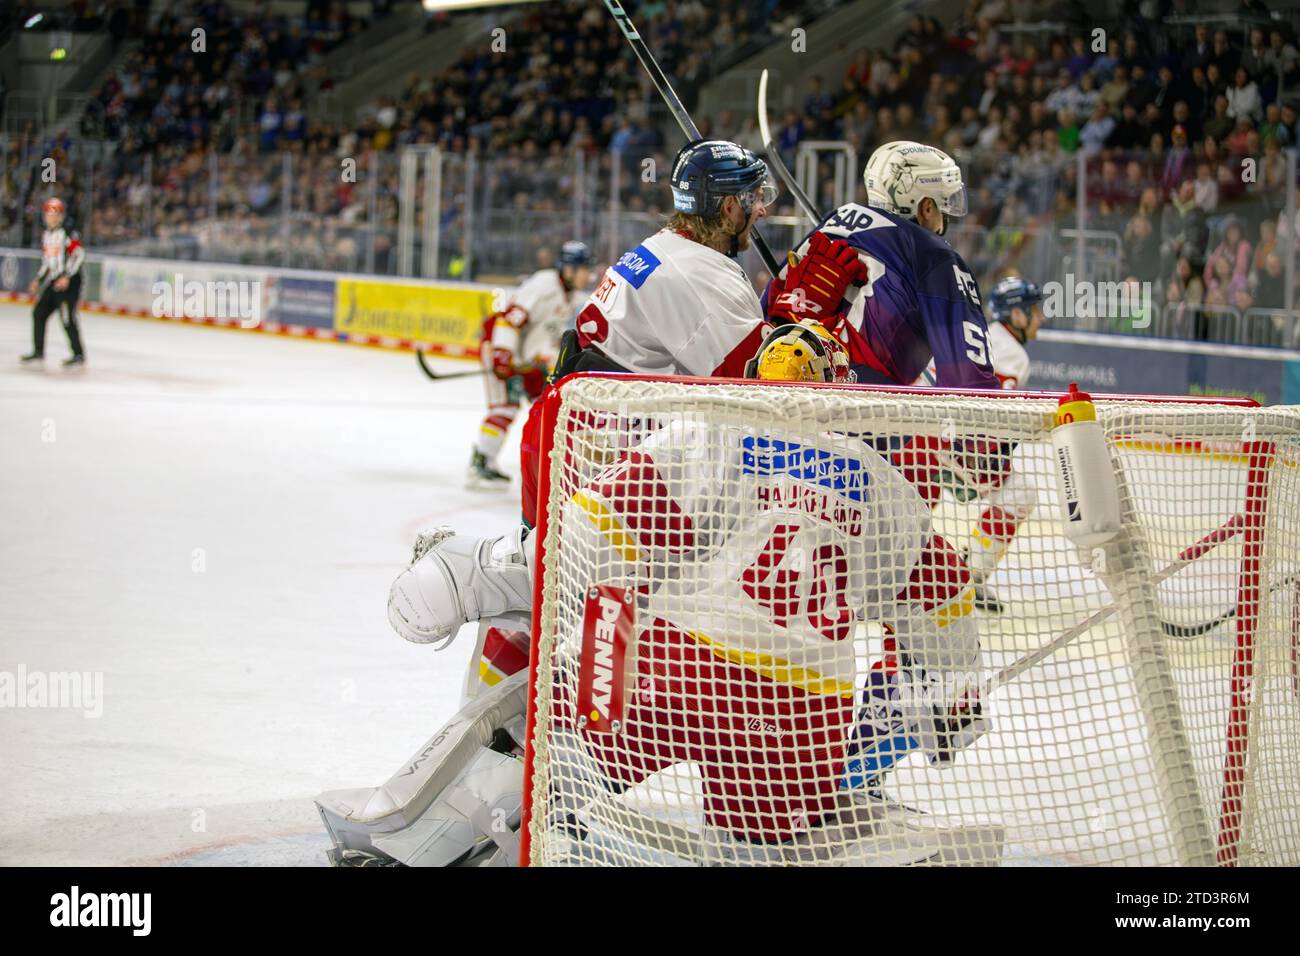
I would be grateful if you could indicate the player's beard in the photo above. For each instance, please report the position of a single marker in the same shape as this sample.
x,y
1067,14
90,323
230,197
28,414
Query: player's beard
x,y
742,239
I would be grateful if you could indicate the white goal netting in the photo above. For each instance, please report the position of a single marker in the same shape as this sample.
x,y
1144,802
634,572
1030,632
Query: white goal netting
x,y
798,625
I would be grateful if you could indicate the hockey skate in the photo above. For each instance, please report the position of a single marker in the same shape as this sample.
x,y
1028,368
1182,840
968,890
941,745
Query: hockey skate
x,y
984,599
32,357
483,474
74,361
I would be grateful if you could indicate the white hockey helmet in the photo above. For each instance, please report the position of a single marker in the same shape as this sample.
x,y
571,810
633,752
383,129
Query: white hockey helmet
x,y
902,173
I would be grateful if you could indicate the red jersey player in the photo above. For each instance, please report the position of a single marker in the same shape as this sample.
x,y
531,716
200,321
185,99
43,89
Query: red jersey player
x,y
520,345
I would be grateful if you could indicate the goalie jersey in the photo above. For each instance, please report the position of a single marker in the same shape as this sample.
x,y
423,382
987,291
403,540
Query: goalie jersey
x,y
920,301
761,548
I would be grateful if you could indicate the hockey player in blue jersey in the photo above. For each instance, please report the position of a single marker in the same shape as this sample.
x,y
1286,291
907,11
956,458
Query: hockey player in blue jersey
x,y
920,300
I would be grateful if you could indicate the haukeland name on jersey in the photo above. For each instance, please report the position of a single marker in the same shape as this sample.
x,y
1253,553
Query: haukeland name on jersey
x,y
786,496
636,266
794,477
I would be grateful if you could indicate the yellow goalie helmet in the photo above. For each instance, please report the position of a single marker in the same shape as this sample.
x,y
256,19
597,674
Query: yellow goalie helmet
x,y
801,352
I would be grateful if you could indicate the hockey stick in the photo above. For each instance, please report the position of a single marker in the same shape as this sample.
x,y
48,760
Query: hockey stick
x,y
855,774
1012,671
1229,529
675,106
1196,630
774,156
439,376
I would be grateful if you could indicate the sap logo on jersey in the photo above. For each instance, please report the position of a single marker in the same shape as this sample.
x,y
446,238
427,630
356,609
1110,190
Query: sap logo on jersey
x,y
636,266
852,218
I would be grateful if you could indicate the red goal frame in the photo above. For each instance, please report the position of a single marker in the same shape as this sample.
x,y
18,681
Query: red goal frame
x,y
1249,524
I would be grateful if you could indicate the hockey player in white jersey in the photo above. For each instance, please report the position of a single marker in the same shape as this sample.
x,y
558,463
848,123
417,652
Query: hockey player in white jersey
x,y
677,304
1016,310
521,342
790,548
1015,306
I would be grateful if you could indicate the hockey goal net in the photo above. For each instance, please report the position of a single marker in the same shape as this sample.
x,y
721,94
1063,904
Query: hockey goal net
x,y
756,607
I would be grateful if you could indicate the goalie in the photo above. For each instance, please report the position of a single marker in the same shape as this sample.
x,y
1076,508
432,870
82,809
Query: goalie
x,y
746,669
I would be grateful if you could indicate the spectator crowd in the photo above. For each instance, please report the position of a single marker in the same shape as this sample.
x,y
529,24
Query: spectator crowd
x,y
564,84
1178,113
1180,129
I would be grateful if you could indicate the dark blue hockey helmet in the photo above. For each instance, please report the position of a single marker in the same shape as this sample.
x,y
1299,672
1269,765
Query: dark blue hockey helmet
x,y
1011,293
708,170
575,253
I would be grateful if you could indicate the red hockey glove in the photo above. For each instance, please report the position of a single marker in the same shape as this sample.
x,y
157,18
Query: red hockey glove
x,y
503,364
815,286
534,377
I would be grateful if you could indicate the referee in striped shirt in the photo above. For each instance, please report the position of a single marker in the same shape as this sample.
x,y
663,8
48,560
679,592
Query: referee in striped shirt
x,y
57,285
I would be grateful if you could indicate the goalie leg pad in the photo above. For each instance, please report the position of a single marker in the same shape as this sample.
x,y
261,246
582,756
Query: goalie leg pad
x,y
458,579
458,798
483,803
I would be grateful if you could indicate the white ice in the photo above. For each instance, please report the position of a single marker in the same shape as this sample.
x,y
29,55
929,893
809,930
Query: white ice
x,y
210,520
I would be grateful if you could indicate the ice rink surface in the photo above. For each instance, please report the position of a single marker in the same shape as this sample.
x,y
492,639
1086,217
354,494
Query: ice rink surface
x,y
210,520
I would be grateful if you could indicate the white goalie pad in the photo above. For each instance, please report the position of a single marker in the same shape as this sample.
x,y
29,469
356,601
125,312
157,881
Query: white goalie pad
x,y
456,801
456,579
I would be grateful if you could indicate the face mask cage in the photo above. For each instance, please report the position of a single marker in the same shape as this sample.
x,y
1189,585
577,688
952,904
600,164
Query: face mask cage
x,y
955,203
765,193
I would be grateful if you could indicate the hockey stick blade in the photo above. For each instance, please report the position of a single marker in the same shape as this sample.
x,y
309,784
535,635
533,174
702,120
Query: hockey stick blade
x,y
440,377
774,159
1189,554
676,107
1186,631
